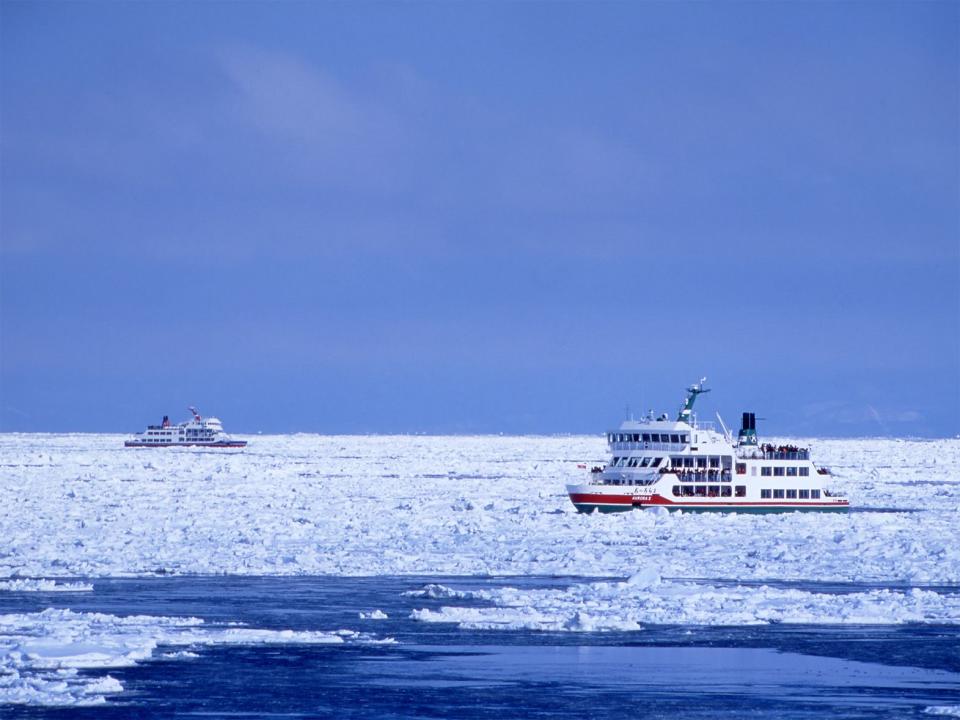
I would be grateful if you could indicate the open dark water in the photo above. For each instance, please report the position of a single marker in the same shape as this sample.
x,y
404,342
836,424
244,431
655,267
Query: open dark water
x,y
440,671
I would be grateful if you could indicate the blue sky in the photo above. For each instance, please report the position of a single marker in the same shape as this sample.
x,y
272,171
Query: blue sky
x,y
489,217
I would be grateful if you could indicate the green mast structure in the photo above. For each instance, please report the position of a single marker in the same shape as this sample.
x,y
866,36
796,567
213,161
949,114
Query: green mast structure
x,y
692,392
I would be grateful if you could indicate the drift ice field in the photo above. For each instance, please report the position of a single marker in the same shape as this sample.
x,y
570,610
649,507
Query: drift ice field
x,y
74,508
82,505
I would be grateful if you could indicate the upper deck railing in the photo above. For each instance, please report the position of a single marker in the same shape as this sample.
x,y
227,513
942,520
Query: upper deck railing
x,y
760,454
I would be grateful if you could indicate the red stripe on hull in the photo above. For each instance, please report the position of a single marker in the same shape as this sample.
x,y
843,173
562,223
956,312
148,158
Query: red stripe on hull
x,y
603,499
238,444
599,498
661,500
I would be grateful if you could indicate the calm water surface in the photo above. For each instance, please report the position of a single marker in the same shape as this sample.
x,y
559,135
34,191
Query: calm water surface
x,y
440,671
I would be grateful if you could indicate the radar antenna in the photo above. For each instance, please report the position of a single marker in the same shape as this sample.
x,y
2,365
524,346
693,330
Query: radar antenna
x,y
687,410
196,415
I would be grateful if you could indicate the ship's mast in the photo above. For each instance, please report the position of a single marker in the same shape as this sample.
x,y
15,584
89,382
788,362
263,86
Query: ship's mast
x,y
687,410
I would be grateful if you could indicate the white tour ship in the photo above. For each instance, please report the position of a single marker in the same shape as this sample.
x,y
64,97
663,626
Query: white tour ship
x,y
689,465
204,432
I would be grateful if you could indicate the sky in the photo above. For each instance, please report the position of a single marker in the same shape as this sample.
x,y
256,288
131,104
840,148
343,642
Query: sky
x,y
517,217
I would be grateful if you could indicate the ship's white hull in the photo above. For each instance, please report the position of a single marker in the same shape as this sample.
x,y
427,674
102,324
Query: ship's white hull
x,y
198,432
604,498
216,444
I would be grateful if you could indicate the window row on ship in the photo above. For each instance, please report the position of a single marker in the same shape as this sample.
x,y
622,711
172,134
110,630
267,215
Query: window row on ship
x,y
709,491
778,494
171,433
713,462
675,438
741,491
174,431
169,438
684,476
710,466
631,461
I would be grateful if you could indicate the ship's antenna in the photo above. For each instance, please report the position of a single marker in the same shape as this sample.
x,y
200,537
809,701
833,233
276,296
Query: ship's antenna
x,y
196,415
687,409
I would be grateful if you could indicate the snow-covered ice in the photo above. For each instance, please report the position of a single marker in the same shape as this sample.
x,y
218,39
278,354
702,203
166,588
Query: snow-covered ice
x,y
44,585
41,653
646,599
82,505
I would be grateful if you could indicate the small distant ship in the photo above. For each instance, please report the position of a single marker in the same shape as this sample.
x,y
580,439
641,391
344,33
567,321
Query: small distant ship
x,y
688,465
198,431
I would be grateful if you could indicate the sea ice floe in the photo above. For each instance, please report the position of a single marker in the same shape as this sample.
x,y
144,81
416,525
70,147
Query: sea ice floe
x,y
43,585
402,505
42,654
436,591
631,604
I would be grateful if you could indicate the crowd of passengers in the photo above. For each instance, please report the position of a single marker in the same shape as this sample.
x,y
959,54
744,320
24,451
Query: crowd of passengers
x,y
770,451
711,491
693,474
770,448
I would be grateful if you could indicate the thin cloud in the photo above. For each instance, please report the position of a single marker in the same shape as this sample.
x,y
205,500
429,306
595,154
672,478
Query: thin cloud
x,y
289,100
315,130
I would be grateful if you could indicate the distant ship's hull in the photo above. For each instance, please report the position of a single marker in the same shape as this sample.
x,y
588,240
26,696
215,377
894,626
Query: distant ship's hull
x,y
590,498
218,444
197,432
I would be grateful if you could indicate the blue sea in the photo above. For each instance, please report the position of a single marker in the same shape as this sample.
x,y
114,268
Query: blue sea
x,y
441,671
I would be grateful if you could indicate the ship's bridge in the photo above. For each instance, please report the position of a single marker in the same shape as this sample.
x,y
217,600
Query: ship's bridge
x,y
661,435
